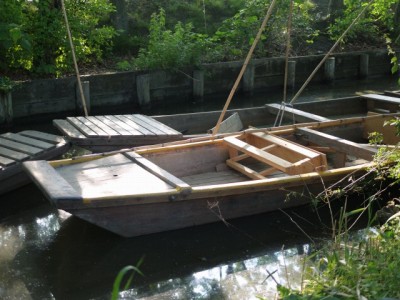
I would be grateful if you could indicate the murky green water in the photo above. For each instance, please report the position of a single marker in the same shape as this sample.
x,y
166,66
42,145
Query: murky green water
x,y
47,254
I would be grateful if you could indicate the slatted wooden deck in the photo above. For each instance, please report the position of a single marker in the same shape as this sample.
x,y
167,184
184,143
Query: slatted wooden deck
x,y
110,132
26,145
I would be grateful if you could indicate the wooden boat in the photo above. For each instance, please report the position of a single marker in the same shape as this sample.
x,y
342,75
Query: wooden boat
x,y
107,133
154,189
25,145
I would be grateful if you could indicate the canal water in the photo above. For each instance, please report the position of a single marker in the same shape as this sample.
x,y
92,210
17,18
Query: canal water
x,y
49,254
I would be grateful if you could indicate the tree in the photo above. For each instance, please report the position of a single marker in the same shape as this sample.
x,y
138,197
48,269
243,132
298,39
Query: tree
x,y
34,36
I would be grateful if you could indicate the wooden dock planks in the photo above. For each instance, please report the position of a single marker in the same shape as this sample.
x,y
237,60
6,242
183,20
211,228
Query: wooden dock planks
x,y
17,147
110,132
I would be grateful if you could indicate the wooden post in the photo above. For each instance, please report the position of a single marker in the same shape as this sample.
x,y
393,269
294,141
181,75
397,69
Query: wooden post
x,y
291,74
329,74
86,92
6,111
198,84
248,79
364,64
143,90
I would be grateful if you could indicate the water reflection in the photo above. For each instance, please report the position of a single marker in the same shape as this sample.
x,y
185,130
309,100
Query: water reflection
x,y
47,254
21,276
246,279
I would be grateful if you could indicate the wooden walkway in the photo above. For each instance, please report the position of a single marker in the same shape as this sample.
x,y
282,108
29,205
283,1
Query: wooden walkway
x,y
26,145
110,132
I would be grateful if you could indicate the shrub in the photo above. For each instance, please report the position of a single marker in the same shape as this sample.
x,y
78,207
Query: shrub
x,y
169,49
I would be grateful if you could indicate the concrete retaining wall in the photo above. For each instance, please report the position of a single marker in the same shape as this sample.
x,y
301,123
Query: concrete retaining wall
x,y
59,95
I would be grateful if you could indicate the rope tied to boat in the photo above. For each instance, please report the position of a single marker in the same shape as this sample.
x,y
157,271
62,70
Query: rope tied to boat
x,y
296,96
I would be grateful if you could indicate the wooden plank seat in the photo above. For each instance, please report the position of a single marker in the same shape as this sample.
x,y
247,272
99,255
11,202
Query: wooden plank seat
x,y
299,115
395,94
159,172
337,143
276,153
378,102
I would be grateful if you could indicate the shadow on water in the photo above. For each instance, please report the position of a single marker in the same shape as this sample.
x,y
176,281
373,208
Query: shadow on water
x,y
48,254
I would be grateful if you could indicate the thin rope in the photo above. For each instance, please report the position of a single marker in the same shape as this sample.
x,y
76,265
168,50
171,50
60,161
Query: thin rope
x,y
74,59
282,111
288,48
246,62
330,52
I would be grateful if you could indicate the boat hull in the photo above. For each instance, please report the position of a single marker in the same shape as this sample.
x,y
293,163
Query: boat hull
x,y
142,219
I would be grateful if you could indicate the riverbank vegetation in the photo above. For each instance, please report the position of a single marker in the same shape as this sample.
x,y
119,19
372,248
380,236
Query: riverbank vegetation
x,y
359,265
140,34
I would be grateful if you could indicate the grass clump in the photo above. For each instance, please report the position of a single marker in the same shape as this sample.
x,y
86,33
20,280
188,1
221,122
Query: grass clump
x,y
365,269
363,265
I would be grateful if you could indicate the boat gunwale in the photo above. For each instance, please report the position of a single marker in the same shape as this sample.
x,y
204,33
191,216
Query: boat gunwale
x,y
208,139
222,189
219,190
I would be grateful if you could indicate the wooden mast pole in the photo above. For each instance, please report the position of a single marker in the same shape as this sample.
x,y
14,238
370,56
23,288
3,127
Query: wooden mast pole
x,y
245,64
78,78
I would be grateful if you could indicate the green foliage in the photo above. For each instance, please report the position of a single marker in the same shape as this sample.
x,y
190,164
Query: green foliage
x,y
365,267
6,84
204,15
34,36
233,39
375,138
169,49
377,20
358,266
388,159
124,65
15,47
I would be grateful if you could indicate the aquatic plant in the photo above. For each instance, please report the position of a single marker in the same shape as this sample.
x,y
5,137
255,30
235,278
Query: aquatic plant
x,y
129,271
